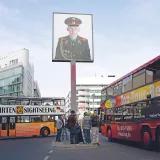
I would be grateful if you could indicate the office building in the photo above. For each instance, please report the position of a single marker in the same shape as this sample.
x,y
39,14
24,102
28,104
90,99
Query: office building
x,y
17,74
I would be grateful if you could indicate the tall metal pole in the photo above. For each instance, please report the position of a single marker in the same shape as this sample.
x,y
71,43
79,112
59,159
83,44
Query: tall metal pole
x,y
73,86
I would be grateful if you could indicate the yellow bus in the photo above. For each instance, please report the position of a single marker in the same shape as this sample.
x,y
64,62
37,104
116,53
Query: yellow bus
x,y
27,117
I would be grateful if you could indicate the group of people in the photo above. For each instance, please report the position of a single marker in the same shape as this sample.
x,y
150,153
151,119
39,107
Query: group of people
x,y
86,131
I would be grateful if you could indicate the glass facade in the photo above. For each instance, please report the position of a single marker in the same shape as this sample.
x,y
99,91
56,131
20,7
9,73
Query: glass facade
x,y
11,81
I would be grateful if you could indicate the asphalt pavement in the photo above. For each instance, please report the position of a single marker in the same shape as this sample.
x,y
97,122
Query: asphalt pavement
x,y
47,149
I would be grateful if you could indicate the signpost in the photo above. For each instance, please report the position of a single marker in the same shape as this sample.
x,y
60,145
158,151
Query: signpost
x,y
72,42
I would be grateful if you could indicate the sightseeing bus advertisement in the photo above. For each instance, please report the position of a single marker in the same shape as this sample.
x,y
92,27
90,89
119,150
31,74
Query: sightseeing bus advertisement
x,y
125,131
157,89
28,110
138,94
108,104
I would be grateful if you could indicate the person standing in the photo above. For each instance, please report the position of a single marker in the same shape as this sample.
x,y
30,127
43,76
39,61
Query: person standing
x,y
73,127
95,128
64,129
86,125
59,129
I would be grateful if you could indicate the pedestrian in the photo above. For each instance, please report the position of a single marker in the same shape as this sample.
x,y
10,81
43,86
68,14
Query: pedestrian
x,y
73,46
86,126
73,127
64,129
59,129
95,128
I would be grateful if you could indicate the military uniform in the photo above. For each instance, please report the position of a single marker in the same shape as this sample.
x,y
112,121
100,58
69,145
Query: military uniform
x,y
77,49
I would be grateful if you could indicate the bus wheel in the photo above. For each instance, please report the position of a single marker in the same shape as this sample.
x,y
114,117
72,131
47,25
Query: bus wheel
x,y
109,135
146,139
45,131
158,140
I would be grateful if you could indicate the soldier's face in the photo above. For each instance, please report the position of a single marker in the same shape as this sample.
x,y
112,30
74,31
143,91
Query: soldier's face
x,y
73,30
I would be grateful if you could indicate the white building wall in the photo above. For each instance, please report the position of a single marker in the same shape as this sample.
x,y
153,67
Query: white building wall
x,y
21,57
88,98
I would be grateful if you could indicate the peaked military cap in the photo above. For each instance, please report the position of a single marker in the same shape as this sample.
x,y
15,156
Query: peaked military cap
x,y
73,21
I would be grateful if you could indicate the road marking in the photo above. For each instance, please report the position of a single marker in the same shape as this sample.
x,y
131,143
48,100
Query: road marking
x,y
50,151
46,157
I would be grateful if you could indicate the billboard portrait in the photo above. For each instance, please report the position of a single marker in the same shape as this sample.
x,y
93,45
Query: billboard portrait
x,y
72,37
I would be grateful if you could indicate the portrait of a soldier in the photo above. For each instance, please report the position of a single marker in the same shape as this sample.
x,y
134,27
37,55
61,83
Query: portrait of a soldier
x,y
73,46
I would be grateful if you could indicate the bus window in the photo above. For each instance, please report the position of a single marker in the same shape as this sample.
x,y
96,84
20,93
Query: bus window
x,y
139,79
45,118
35,102
18,102
18,119
35,118
48,118
117,89
157,75
127,84
110,91
149,76
47,103
22,119
25,102
11,102
51,118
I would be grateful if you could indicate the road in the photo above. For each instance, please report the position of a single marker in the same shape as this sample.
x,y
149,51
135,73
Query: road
x,y
46,149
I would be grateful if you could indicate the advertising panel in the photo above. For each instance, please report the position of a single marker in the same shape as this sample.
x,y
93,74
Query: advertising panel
x,y
72,37
139,94
28,110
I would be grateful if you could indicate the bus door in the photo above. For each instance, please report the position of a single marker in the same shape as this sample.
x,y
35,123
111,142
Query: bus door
x,y
12,126
8,126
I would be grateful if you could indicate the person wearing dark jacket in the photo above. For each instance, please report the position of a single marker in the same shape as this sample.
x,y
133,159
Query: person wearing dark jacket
x,y
73,127
95,128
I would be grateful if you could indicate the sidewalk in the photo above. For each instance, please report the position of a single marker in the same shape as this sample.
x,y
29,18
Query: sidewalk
x,y
66,143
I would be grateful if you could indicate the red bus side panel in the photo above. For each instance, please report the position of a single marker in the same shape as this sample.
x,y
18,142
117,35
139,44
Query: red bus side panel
x,y
126,130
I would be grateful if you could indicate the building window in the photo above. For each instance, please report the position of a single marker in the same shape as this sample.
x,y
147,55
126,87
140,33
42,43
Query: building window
x,y
14,61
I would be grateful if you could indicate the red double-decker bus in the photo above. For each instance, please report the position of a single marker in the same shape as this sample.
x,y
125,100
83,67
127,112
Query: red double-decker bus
x,y
130,106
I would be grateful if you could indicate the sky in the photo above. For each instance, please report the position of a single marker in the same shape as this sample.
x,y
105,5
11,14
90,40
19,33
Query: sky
x,y
126,34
